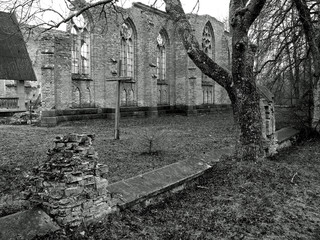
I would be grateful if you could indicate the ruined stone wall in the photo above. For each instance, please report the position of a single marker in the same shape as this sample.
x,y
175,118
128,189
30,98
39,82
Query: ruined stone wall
x,y
222,55
106,43
183,85
71,184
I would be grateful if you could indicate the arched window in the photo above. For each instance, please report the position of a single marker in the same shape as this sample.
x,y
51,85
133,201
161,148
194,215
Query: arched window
x,y
161,57
208,41
127,50
208,46
80,54
76,97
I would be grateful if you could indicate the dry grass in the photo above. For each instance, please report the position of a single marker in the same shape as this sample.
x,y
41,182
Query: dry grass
x,y
275,199
272,199
173,138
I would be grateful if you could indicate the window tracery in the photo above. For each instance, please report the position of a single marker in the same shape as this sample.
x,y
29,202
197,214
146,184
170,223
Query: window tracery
x,y
127,50
80,54
208,46
161,57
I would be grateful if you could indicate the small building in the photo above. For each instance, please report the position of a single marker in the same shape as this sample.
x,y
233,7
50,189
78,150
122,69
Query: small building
x,y
15,65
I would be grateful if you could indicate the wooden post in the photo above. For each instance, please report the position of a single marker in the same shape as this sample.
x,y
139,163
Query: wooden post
x,y
117,109
118,79
117,114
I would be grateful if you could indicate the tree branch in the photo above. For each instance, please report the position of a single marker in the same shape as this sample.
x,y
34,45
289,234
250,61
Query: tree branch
x,y
254,8
192,46
309,30
80,11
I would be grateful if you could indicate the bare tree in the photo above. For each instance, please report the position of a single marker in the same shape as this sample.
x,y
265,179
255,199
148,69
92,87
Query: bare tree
x,y
309,17
283,55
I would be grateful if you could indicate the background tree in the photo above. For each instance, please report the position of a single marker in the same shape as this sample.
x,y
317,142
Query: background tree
x,y
309,13
283,58
287,59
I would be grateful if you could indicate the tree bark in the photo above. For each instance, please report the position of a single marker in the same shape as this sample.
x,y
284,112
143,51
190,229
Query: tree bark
x,y
240,84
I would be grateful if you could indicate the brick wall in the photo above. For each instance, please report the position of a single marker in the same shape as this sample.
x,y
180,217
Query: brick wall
x,y
183,84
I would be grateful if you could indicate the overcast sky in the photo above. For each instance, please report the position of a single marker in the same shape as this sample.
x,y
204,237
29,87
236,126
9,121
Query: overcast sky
x,y
216,8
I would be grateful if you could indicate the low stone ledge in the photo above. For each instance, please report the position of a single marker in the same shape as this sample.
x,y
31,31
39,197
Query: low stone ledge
x,y
143,188
285,134
286,137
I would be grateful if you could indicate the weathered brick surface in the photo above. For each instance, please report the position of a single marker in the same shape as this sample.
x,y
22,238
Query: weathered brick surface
x,y
52,54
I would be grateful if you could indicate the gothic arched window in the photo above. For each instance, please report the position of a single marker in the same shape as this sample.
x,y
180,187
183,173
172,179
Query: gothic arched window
x,y
161,57
80,54
208,41
208,46
127,50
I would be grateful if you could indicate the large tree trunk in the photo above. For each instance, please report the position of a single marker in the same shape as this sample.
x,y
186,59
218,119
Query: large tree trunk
x,y
240,85
246,106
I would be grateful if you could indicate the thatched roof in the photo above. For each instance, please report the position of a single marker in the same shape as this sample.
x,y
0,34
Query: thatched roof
x,y
15,63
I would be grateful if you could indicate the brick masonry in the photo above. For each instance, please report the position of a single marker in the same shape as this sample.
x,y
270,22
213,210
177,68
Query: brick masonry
x,y
51,56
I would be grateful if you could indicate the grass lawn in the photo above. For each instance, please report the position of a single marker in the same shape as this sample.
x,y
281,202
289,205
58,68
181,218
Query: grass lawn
x,y
272,199
173,138
275,199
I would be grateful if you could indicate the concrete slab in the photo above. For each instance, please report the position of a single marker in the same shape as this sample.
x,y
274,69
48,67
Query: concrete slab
x,y
151,183
26,225
285,134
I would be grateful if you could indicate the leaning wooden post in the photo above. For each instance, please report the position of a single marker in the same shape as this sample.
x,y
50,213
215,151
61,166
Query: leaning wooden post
x,y
117,109
117,113
118,80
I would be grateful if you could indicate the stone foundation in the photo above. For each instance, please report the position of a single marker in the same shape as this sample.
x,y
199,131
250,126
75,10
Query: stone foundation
x,y
71,185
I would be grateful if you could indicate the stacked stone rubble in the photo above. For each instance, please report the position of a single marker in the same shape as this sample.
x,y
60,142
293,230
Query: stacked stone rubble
x,y
71,185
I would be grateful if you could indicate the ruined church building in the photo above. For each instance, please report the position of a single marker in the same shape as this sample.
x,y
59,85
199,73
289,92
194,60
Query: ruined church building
x,y
74,69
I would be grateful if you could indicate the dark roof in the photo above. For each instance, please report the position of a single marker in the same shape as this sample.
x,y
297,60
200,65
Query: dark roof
x,y
15,63
265,92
